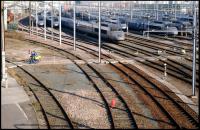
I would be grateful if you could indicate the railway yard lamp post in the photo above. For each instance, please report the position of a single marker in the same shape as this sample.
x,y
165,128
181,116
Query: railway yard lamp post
x,y
29,18
36,19
99,31
3,69
175,9
148,26
60,21
194,50
32,22
52,15
156,10
74,25
44,20
89,10
131,9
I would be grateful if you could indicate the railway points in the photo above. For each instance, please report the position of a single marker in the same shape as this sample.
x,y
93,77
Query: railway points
x,y
110,78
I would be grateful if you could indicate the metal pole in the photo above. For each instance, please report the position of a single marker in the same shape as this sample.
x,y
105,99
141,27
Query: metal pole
x,y
29,18
175,10
36,20
120,8
89,10
60,21
156,10
99,31
44,20
74,25
52,21
32,24
5,18
194,51
148,26
3,73
141,8
131,9
15,12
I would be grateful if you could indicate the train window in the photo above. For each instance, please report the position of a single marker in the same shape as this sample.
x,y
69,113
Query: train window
x,y
96,30
113,22
154,27
104,25
55,19
102,31
40,18
115,29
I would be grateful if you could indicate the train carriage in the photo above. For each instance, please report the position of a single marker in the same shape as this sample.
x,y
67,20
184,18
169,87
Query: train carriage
x,y
107,31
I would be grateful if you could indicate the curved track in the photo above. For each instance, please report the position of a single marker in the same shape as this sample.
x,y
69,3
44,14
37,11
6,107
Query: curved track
x,y
177,121
129,51
53,112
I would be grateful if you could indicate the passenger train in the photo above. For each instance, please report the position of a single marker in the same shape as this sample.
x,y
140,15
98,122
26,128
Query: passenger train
x,y
155,27
110,32
118,22
55,21
40,21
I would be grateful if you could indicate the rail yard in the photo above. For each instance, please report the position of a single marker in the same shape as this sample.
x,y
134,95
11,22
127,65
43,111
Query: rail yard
x,y
100,65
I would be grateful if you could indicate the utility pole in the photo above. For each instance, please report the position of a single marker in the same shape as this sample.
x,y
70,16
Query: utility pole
x,y
60,20
52,20
32,22
131,9
156,10
89,10
74,25
36,20
99,31
148,25
194,50
175,9
29,18
44,20
3,71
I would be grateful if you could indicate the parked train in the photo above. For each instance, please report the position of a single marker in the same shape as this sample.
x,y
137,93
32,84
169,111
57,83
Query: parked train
x,y
154,27
118,22
55,21
40,20
107,31
181,25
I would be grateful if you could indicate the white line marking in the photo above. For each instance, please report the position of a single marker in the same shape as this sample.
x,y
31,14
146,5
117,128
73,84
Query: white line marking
x,y
21,110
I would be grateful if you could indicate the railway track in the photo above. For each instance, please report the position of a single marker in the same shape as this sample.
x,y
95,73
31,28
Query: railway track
x,y
167,48
171,63
175,41
121,116
187,47
173,103
53,113
158,94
